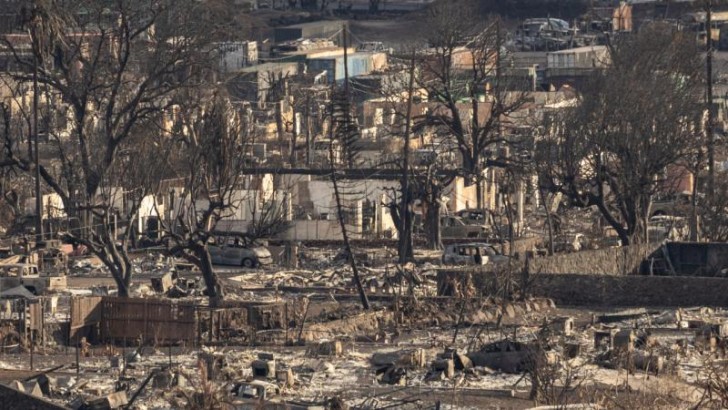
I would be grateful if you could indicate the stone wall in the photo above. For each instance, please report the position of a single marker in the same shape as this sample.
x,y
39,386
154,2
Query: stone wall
x,y
522,245
605,290
575,289
624,260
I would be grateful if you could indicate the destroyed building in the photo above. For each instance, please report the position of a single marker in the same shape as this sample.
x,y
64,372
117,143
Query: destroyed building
x,y
230,229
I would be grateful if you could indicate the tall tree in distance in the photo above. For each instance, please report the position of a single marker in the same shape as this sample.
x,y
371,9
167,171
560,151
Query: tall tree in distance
x,y
635,123
462,73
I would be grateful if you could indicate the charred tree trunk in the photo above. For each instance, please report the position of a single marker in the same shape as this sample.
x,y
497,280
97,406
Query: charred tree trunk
x,y
403,222
432,216
404,241
279,125
122,283
694,224
405,213
549,222
294,139
204,262
103,244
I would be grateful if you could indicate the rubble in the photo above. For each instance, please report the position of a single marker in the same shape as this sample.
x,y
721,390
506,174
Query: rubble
x,y
390,349
408,358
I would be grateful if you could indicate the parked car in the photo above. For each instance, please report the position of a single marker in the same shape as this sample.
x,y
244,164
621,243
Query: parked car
x,y
233,249
454,227
677,204
478,254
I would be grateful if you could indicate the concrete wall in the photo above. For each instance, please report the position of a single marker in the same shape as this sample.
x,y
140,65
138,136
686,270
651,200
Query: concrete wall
x,y
522,245
582,57
300,230
319,230
610,261
315,29
461,196
319,195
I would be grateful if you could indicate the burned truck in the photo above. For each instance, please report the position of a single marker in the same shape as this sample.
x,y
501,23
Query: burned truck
x,y
27,275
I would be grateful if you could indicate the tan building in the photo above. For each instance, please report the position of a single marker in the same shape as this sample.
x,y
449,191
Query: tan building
x,y
622,17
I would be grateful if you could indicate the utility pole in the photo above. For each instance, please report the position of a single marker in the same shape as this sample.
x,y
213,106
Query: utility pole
x,y
307,121
346,59
709,96
337,194
405,230
496,100
36,159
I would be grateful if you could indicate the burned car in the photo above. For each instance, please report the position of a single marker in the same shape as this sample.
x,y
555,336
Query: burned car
x,y
234,249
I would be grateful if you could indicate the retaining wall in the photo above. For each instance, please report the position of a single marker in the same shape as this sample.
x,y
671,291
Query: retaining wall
x,y
603,290
624,260
577,289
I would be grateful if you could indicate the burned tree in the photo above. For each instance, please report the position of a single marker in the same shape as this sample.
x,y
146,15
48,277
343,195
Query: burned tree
x,y
431,183
635,123
208,142
462,73
269,217
129,189
711,211
114,66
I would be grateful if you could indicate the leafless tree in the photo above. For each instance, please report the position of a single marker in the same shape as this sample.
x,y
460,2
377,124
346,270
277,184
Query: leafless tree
x,y
432,183
401,200
268,219
634,120
463,63
209,139
14,184
116,67
713,379
132,182
713,213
